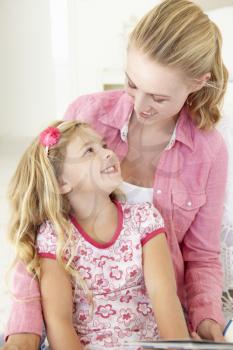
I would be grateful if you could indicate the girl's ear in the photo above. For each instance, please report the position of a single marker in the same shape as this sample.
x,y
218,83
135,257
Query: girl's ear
x,y
64,186
199,83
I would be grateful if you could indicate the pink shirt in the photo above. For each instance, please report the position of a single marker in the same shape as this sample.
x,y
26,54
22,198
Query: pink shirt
x,y
113,272
189,187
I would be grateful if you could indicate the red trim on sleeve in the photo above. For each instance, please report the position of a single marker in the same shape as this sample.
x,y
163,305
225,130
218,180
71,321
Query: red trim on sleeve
x,y
47,255
151,235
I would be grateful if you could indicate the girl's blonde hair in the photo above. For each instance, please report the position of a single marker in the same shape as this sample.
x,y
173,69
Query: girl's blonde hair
x,y
178,34
35,197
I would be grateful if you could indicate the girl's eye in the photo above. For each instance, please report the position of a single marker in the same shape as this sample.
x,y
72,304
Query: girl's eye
x,y
105,145
89,150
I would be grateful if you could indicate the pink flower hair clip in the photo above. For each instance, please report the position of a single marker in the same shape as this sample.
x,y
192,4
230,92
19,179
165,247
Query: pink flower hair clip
x,y
49,137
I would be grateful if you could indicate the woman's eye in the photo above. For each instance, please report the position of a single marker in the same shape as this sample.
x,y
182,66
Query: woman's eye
x,y
158,100
131,85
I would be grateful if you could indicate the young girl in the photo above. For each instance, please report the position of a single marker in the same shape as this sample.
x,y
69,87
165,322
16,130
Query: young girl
x,y
104,266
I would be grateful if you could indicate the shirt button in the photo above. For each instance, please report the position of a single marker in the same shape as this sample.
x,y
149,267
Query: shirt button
x,y
159,191
189,204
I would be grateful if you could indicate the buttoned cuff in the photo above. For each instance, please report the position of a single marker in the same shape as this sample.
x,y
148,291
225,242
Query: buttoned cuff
x,y
25,318
203,313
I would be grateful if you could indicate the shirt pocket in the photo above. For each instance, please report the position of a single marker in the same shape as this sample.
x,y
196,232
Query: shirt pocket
x,y
185,207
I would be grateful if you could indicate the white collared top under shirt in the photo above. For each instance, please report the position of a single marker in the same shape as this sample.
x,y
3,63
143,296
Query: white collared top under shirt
x,y
124,134
136,194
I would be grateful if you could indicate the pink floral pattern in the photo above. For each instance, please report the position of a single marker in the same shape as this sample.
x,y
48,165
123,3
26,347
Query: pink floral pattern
x,y
100,282
127,317
143,308
116,273
85,272
121,310
105,311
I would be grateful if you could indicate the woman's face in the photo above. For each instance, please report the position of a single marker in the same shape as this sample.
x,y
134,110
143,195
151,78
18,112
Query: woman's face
x,y
159,92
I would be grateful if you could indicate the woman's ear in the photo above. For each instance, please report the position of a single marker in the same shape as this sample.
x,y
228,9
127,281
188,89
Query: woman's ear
x,y
199,83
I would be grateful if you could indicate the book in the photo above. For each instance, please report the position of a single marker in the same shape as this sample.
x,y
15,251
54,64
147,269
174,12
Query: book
x,y
181,345
228,331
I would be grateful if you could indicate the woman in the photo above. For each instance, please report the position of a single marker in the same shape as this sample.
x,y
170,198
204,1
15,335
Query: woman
x,y
162,129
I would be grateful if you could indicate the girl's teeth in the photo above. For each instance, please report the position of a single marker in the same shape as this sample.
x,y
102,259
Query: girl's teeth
x,y
109,170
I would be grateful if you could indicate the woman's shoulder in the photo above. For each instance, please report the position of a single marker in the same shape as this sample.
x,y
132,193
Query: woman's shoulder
x,y
211,142
86,106
204,144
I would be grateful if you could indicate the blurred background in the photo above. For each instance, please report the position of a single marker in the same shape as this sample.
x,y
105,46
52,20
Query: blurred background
x,y
51,51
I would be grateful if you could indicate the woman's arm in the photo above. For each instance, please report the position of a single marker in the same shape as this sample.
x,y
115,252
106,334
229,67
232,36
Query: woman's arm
x,y
22,342
201,254
24,326
161,287
57,303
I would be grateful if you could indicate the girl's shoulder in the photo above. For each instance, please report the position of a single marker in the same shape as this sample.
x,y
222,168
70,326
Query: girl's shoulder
x,y
137,206
144,215
46,240
46,228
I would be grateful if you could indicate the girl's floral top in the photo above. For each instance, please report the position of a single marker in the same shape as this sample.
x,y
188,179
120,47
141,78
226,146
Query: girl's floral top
x,y
120,310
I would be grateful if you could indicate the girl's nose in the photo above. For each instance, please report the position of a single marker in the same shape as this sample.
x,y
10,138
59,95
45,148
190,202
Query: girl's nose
x,y
108,154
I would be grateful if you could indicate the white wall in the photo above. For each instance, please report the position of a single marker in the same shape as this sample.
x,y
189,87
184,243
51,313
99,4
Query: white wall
x,y
212,4
53,50
101,29
25,69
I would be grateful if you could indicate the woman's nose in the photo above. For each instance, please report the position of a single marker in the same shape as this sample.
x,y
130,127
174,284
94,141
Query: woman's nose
x,y
141,102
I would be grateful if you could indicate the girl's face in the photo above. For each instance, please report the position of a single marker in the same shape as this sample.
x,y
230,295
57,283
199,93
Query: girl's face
x,y
159,92
89,165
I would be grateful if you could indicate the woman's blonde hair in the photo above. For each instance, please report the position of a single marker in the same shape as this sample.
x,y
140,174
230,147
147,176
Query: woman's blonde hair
x,y
178,34
35,197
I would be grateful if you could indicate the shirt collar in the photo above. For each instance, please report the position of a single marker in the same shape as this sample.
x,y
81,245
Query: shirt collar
x,y
184,129
121,112
172,139
119,116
